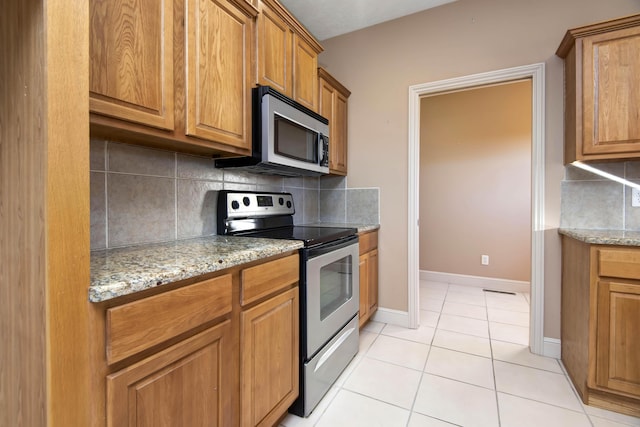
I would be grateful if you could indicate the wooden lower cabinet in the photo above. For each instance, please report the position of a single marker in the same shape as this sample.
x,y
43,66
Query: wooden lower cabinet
x,y
222,351
368,275
187,385
269,363
600,323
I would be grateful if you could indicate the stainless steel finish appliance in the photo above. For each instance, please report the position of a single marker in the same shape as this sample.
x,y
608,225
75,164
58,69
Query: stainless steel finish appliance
x,y
329,284
288,138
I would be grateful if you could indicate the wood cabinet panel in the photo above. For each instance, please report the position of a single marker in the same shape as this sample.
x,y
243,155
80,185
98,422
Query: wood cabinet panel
x,y
368,275
618,355
268,278
185,385
305,80
600,320
333,99
602,95
624,264
142,324
269,361
611,70
218,57
131,61
274,48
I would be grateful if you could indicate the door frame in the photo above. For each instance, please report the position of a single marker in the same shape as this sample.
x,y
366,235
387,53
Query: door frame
x,y
536,72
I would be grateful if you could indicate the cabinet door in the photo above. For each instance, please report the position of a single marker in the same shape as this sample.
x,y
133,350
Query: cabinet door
x,y
339,135
618,346
305,78
611,92
185,385
131,61
218,72
364,289
269,359
275,38
373,281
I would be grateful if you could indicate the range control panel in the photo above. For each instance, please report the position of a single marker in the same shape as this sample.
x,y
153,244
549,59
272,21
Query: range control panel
x,y
248,204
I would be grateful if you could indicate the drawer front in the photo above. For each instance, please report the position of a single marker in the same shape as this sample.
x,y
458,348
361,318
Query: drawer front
x,y
368,241
268,278
142,324
622,263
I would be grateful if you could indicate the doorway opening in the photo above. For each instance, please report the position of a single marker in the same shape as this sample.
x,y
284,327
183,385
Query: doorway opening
x,y
535,73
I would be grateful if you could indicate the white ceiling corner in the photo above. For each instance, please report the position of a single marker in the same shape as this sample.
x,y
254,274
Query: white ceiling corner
x,y
331,18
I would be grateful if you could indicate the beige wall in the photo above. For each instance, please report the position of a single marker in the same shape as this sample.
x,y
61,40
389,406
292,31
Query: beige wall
x,y
378,65
475,181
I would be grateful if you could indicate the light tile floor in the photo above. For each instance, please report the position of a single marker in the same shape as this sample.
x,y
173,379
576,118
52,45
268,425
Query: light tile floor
x,y
467,365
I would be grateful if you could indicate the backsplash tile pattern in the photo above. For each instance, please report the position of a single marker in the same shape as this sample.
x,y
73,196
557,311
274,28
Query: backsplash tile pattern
x,y
590,201
144,195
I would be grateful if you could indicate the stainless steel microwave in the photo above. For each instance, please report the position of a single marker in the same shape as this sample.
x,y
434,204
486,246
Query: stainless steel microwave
x,y
288,138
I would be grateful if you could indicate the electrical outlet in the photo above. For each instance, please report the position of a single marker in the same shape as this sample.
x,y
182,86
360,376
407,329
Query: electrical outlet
x,y
485,260
635,198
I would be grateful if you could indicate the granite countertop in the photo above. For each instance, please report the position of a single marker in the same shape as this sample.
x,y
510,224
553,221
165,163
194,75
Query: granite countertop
x,y
123,271
362,228
603,237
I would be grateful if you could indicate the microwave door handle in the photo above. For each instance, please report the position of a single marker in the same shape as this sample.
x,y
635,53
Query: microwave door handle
x,y
320,148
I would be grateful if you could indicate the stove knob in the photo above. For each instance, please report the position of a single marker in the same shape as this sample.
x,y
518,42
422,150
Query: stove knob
x,y
235,204
246,201
281,201
289,204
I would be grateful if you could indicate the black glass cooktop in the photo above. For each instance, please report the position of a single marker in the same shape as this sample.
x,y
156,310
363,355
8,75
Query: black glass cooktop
x,y
311,236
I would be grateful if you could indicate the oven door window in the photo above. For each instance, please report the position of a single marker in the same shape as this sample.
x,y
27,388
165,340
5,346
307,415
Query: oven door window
x,y
295,141
336,285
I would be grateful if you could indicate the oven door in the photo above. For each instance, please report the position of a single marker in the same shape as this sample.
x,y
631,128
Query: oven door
x,y
332,291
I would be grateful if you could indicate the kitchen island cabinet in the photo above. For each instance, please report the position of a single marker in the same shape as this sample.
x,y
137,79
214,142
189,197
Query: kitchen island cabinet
x,y
600,320
368,275
173,74
287,58
333,105
216,349
602,100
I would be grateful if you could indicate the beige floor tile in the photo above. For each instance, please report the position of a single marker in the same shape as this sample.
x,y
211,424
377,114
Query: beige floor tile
x,y
611,416
520,355
294,421
464,325
384,381
510,333
465,310
519,318
422,334
429,318
543,386
518,412
401,352
462,342
373,327
431,304
466,298
457,403
350,409
467,289
419,420
459,366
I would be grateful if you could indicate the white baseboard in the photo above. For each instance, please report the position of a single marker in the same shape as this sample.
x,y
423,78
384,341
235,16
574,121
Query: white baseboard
x,y
477,281
393,317
552,348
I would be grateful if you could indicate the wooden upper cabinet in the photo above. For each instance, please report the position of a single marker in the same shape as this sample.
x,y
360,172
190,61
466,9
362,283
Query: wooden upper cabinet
x,y
131,61
287,54
305,78
333,98
275,38
218,79
602,94
173,74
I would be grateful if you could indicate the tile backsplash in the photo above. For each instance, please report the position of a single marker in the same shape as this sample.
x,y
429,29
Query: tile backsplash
x,y
593,202
143,195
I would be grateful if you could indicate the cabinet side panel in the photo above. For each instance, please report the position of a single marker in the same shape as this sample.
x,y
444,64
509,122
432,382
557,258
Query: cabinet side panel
x,y
575,312
570,104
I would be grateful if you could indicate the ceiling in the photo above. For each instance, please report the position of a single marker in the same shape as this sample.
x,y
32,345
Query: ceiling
x,y
330,18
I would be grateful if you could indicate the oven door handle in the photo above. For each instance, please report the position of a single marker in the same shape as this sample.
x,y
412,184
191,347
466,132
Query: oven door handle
x,y
334,347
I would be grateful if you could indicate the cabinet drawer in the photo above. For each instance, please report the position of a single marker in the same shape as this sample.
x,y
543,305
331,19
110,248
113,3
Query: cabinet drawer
x,y
268,278
142,324
624,264
368,241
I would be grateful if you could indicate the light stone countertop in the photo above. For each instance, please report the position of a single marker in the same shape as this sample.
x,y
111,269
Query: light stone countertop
x,y
123,271
603,237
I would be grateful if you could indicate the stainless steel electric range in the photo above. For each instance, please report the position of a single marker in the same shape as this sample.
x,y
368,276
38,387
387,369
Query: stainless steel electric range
x,y
329,284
